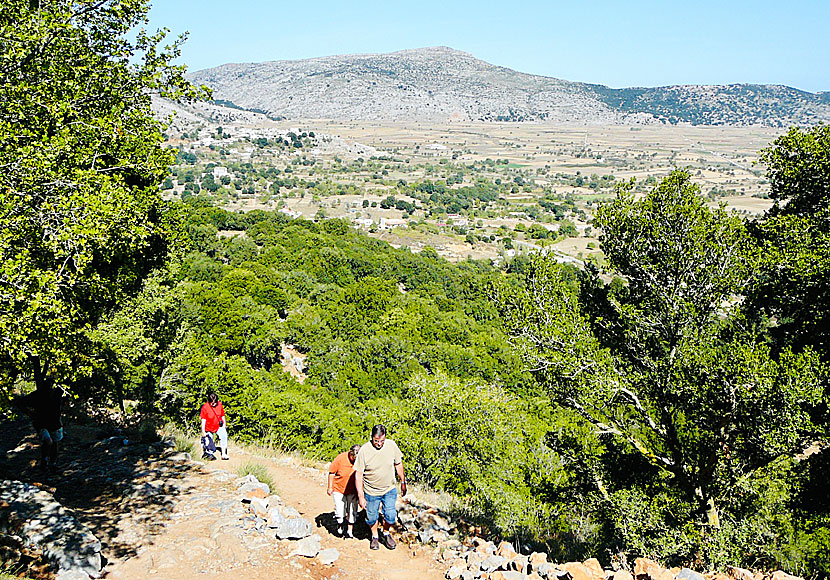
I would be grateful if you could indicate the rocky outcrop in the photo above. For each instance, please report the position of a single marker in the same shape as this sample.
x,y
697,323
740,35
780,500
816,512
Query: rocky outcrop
x,y
271,515
32,521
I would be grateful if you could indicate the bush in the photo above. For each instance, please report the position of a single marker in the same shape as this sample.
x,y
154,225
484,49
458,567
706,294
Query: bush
x,y
259,471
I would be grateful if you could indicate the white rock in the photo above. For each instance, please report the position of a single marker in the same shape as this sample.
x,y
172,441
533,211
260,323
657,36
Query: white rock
x,y
308,547
328,556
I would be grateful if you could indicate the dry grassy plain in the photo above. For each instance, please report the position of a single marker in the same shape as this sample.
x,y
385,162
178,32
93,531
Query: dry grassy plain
x,y
722,160
724,156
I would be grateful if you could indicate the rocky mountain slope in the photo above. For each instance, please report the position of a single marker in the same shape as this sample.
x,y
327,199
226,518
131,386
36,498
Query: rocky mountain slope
x,y
442,84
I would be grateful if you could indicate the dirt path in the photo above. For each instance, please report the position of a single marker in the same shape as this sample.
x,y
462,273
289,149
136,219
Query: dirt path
x,y
203,535
158,515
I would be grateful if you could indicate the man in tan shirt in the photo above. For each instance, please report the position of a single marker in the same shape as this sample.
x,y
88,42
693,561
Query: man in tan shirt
x,y
375,467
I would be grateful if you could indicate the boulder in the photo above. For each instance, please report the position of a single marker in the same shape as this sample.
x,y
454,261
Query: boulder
x,y
474,560
42,524
425,536
536,559
519,563
486,549
492,563
275,518
595,567
507,575
293,529
259,507
273,501
506,550
645,569
580,571
626,575
240,481
684,574
250,490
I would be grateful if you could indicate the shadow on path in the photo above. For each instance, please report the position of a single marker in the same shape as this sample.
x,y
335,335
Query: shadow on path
x,y
120,486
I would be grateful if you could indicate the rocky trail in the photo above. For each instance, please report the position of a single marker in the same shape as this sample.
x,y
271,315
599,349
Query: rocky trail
x,y
159,514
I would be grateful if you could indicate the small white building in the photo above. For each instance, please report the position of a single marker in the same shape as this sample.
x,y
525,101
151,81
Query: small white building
x,y
389,223
290,212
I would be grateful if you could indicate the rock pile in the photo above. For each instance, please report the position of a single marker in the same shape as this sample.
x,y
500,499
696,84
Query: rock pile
x,y
32,523
470,557
268,514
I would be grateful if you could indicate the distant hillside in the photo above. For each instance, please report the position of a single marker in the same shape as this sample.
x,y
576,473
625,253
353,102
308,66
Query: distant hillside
x,y
440,84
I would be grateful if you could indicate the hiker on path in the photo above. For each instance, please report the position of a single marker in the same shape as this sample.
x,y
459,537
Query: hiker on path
x,y
375,467
342,489
44,406
213,424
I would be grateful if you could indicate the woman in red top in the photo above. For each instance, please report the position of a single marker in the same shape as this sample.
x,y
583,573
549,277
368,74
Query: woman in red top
x,y
213,421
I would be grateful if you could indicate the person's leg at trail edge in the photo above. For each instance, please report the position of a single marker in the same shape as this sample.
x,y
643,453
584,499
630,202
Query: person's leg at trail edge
x,y
351,514
339,510
57,437
223,441
372,508
45,447
389,516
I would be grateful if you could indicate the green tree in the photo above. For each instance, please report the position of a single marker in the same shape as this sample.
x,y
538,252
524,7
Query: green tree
x,y
666,366
81,219
794,241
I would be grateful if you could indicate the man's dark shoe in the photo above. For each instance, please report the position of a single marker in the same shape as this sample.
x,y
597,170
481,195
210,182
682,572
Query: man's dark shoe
x,y
374,544
390,541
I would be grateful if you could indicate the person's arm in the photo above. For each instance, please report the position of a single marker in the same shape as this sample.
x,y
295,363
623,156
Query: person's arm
x,y
204,424
331,484
399,469
358,482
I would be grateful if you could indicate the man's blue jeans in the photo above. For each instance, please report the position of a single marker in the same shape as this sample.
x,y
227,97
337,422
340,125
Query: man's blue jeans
x,y
373,503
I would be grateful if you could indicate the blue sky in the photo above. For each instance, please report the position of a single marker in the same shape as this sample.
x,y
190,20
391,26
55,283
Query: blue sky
x,y
619,44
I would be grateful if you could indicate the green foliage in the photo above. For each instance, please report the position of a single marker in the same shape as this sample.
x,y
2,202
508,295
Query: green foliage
x,y
81,219
791,288
258,470
668,367
481,444
184,444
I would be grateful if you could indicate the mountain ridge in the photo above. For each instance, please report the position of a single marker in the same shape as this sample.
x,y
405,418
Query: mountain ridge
x,y
443,84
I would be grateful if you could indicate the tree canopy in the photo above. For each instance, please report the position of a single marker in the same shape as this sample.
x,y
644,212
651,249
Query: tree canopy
x,y
667,365
81,160
792,288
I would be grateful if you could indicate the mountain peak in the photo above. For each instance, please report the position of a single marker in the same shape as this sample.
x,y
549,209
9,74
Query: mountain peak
x,y
440,83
